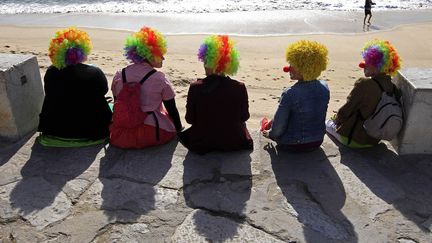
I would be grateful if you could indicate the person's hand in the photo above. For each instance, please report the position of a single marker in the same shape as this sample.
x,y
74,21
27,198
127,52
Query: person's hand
x,y
265,133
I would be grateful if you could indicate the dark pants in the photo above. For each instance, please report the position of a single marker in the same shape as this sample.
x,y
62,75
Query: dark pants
x,y
306,147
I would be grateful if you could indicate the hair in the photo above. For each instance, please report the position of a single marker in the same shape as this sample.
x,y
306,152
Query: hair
x,y
218,54
382,55
145,45
69,47
308,57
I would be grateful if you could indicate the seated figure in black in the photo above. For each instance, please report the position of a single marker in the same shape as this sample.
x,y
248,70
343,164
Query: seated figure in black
x,y
217,106
75,112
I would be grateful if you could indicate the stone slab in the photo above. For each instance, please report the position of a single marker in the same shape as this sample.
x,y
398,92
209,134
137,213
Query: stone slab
x,y
100,194
82,227
416,87
428,224
19,232
114,195
126,233
21,95
200,226
34,199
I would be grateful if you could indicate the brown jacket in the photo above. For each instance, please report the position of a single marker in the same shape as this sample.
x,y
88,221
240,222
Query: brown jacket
x,y
363,98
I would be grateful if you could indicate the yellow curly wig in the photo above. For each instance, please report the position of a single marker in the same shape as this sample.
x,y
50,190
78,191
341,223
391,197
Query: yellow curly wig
x,y
308,57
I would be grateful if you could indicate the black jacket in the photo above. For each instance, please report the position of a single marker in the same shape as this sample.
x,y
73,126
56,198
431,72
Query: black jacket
x,y
74,104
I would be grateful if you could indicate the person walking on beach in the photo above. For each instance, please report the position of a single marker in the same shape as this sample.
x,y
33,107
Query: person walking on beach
x,y
368,11
74,112
299,122
381,62
148,117
217,106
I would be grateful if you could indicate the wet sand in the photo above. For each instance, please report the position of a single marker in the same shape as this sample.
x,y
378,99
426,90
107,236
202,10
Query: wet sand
x,y
258,23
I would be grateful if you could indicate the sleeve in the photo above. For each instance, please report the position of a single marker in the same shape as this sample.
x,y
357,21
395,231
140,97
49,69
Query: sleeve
x,y
117,83
245,105
190,106
102,83
168,90
280,120
353,100
171,107
47,81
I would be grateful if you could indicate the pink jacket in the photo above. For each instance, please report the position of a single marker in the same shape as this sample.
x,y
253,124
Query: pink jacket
x,y
156,89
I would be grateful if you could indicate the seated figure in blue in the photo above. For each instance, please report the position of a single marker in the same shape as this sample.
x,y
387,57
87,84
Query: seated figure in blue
x,y
299,122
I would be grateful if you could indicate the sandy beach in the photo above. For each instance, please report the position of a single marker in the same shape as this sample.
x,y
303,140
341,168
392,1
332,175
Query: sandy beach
x,y
262,59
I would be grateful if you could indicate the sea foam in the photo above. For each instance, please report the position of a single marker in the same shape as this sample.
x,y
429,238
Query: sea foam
x,y
197,6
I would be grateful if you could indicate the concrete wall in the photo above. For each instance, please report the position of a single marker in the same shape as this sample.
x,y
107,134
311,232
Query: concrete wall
x,y
21,96
416,86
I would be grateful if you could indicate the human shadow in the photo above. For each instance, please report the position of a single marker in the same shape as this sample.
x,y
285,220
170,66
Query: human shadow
x,y
129,179
8,149
219,184
47,173
401,181
313,188
370,27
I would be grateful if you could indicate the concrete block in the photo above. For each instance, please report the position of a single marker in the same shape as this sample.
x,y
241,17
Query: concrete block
x,y
416,135
21,96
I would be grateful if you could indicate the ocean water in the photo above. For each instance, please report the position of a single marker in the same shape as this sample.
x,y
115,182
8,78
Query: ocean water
x,y
197,6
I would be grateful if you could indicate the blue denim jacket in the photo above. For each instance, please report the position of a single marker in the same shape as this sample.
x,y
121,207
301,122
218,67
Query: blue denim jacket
x,y
300,117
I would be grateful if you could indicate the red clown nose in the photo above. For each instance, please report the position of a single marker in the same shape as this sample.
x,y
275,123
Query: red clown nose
x,y
362,64
286,69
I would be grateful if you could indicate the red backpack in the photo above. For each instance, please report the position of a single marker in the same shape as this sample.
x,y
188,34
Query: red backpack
x,y
127,115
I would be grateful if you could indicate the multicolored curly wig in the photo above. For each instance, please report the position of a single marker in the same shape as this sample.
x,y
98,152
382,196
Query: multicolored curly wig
x,y
218,54
69,47
146,44
308,57
382,55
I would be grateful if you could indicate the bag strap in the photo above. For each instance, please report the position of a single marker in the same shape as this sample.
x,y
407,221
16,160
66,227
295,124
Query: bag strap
x,y
124,75
142,80
151,112
156,123
351,133
380,86
147,76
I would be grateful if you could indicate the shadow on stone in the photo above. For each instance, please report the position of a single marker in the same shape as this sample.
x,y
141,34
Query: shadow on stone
x,y
401,181
128,182
220,185
314,190
8,149
52,179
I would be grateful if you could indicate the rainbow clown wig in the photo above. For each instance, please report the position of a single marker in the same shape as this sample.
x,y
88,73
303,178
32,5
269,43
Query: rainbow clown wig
x,y
218,54
382,55
145,45
69,47
308,57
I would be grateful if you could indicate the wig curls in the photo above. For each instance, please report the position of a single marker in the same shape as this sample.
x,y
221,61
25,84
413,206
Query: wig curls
x,y
218,54
69,47
146,44
382,55
308,57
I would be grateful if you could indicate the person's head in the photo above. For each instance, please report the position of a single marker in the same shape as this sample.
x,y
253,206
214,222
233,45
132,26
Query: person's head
x,y
219,55
307,60
69,47
380,57
146,45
